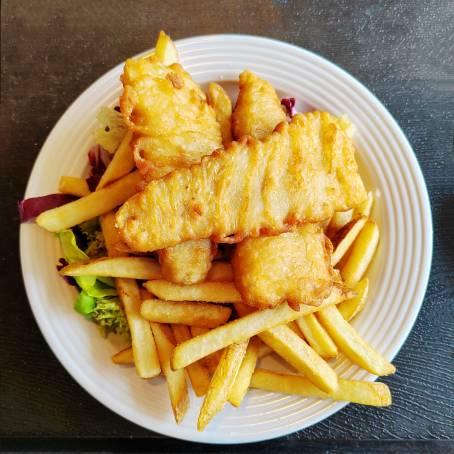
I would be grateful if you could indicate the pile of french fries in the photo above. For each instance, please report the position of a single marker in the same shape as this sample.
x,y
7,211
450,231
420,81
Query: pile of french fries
x,y
203,332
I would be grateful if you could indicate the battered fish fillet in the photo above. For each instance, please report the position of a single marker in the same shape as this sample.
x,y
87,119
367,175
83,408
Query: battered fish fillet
x,y
258,108
302,172
173,124
293,266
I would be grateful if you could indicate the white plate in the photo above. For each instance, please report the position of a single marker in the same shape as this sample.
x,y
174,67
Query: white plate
x,y
398,276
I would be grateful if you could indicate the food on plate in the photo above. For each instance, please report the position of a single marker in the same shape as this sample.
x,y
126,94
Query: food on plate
x,y
293,267
199,314
188,262
207,254
303,172
360,392
258,109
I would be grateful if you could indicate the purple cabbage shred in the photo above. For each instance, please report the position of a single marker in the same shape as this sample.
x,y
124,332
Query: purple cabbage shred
x,y
34,206
99,159
69,279
289,104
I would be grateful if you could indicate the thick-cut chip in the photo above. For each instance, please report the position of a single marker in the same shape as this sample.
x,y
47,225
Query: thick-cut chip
x,y
293,267
303,172
351,344
186,263
365,208
244,328
198,374
316,336
343,240
220,272
124,357
219,100
198,314
210,361
243,378
121,164
258,109
165,49
264,350
127,267
360,392
352,307
73,186
221,383
213,292
176,380
361,254
297,353
90,206
339,220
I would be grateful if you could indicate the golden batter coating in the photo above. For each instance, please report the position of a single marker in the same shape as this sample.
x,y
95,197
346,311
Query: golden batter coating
x,y
258,109
294,266
303,172
173,124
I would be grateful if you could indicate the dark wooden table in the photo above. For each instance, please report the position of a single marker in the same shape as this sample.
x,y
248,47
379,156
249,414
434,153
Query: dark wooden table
x,y
403,51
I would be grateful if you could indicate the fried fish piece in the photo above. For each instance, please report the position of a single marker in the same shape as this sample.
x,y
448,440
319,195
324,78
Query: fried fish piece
x,y
258,109
174,125
302,172
294,266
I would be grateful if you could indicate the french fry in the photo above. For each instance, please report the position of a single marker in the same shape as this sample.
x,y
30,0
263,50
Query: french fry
x,y
176,380
143,345
243,378
210,361
90,206
264,350
74,186
198,374
127,267
243,328
294,327
365,208
111,235
297,353
352,307
221,383
338,220
124,357
199,314
361,254
345,238
316,336
219,100
351,344
213,292
165,49
121,164
220,272
360,392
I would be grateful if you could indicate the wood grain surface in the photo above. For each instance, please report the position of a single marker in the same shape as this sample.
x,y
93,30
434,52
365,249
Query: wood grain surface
x,y
51,50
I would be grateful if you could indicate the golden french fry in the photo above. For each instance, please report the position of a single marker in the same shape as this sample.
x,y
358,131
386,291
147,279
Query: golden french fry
x,y
213,292
122,163
199,314
244,328
338,221
111,235
264,350
243,378
90,206
210,361
351,344
297,353
176,380
165,49
345,238
294,327
219,100
361,254
352,307
198,374
144,348
316,336
74,186
365,208
127,267
360,392
124,357
220,272
221,383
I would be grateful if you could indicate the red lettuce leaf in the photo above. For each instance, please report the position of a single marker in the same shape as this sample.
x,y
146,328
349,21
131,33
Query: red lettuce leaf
x,y
99,159
289,104
32,207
